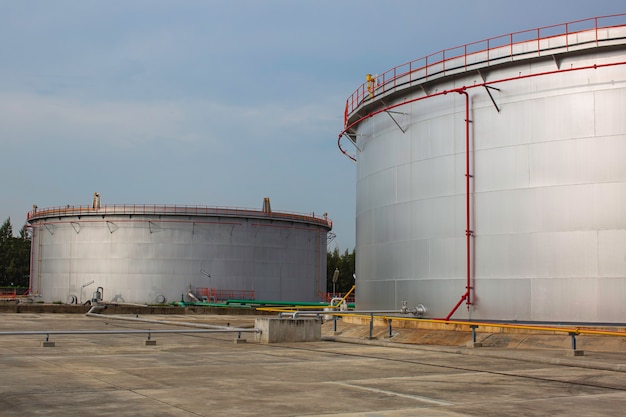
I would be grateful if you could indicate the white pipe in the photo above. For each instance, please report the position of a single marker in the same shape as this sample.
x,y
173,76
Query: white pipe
x,y
416,311
90,313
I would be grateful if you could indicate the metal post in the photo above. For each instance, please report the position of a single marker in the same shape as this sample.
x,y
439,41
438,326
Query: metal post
x,y
390,328
474,327
371,325
575,351
474,343
47,342
334,323
335,278
148,341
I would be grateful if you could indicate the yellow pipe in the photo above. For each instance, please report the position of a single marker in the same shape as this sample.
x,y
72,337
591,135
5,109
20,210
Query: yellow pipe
x,y
576,330
292,309
345,296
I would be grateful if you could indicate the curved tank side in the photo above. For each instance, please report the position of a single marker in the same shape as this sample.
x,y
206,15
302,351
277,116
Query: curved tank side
x,y
146,257
547,189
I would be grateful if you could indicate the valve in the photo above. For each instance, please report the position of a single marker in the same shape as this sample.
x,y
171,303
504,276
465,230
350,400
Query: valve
x,y
418,311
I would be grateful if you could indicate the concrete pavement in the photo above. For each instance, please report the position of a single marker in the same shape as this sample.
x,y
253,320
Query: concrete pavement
x,y
209,375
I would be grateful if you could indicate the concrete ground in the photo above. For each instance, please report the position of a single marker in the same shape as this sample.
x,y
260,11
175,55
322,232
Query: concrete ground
x,y
210,375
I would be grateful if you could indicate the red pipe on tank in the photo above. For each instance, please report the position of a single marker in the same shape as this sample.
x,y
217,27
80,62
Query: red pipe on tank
x,y
468,232
32,251
502,80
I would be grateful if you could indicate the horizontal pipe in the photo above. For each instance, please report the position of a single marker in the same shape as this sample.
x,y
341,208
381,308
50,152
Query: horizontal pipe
x,y
278,303
163,322
576,330
124,331
335,312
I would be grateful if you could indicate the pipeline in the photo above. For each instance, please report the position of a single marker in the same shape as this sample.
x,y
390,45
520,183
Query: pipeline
x,y
282,303
417,311
343,300
93,312
123,331
207,304
316,313
574,330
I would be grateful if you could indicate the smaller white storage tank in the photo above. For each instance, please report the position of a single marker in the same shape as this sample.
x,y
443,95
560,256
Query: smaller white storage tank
x,y
156,253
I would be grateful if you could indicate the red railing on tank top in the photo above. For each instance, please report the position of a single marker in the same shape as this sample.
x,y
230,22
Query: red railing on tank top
x,y
481,52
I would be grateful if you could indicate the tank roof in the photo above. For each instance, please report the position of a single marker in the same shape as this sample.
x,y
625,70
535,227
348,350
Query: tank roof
x,y
174,210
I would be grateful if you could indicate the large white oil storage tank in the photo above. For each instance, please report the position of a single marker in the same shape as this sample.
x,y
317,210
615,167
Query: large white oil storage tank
x,y
491,178
157,253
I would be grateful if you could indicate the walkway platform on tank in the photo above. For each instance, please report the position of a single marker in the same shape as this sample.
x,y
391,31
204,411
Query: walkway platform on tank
x,y
208,374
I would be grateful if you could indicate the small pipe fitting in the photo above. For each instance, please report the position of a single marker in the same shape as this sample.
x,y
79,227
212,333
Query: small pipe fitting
x,y
418,311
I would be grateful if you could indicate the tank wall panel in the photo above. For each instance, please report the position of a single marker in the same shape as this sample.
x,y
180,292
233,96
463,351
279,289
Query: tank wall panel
x,y
612,254
376,294
568,297
496,169
610,106
442,138
611,291
570,162
508,211
509,299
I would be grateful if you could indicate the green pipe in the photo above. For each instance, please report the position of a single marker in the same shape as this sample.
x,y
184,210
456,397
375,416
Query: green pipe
x,y
203,304
282,303
250,303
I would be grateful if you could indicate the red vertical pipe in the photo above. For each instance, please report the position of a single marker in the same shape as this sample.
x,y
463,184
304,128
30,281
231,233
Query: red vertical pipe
x,y
468,232
32,252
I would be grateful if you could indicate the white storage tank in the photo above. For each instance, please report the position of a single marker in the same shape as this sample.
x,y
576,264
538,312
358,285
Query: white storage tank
x,y
156,253
491,181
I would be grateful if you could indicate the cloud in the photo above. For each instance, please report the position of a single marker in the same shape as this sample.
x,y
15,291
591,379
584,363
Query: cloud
x,y
32,118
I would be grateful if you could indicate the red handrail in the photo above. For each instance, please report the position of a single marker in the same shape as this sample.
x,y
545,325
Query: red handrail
x,y
215,295
8,294
435,63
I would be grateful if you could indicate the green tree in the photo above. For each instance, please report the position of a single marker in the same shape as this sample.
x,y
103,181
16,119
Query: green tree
x,y
6,230
14,256
346,264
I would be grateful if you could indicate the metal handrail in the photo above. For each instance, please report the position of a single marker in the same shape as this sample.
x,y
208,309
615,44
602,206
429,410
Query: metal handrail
x,y
161,209
435,63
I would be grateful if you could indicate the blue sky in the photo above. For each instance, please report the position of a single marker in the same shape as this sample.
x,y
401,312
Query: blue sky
x,y
217,103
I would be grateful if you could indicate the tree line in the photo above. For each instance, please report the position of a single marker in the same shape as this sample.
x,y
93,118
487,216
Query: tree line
x,y
14,256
